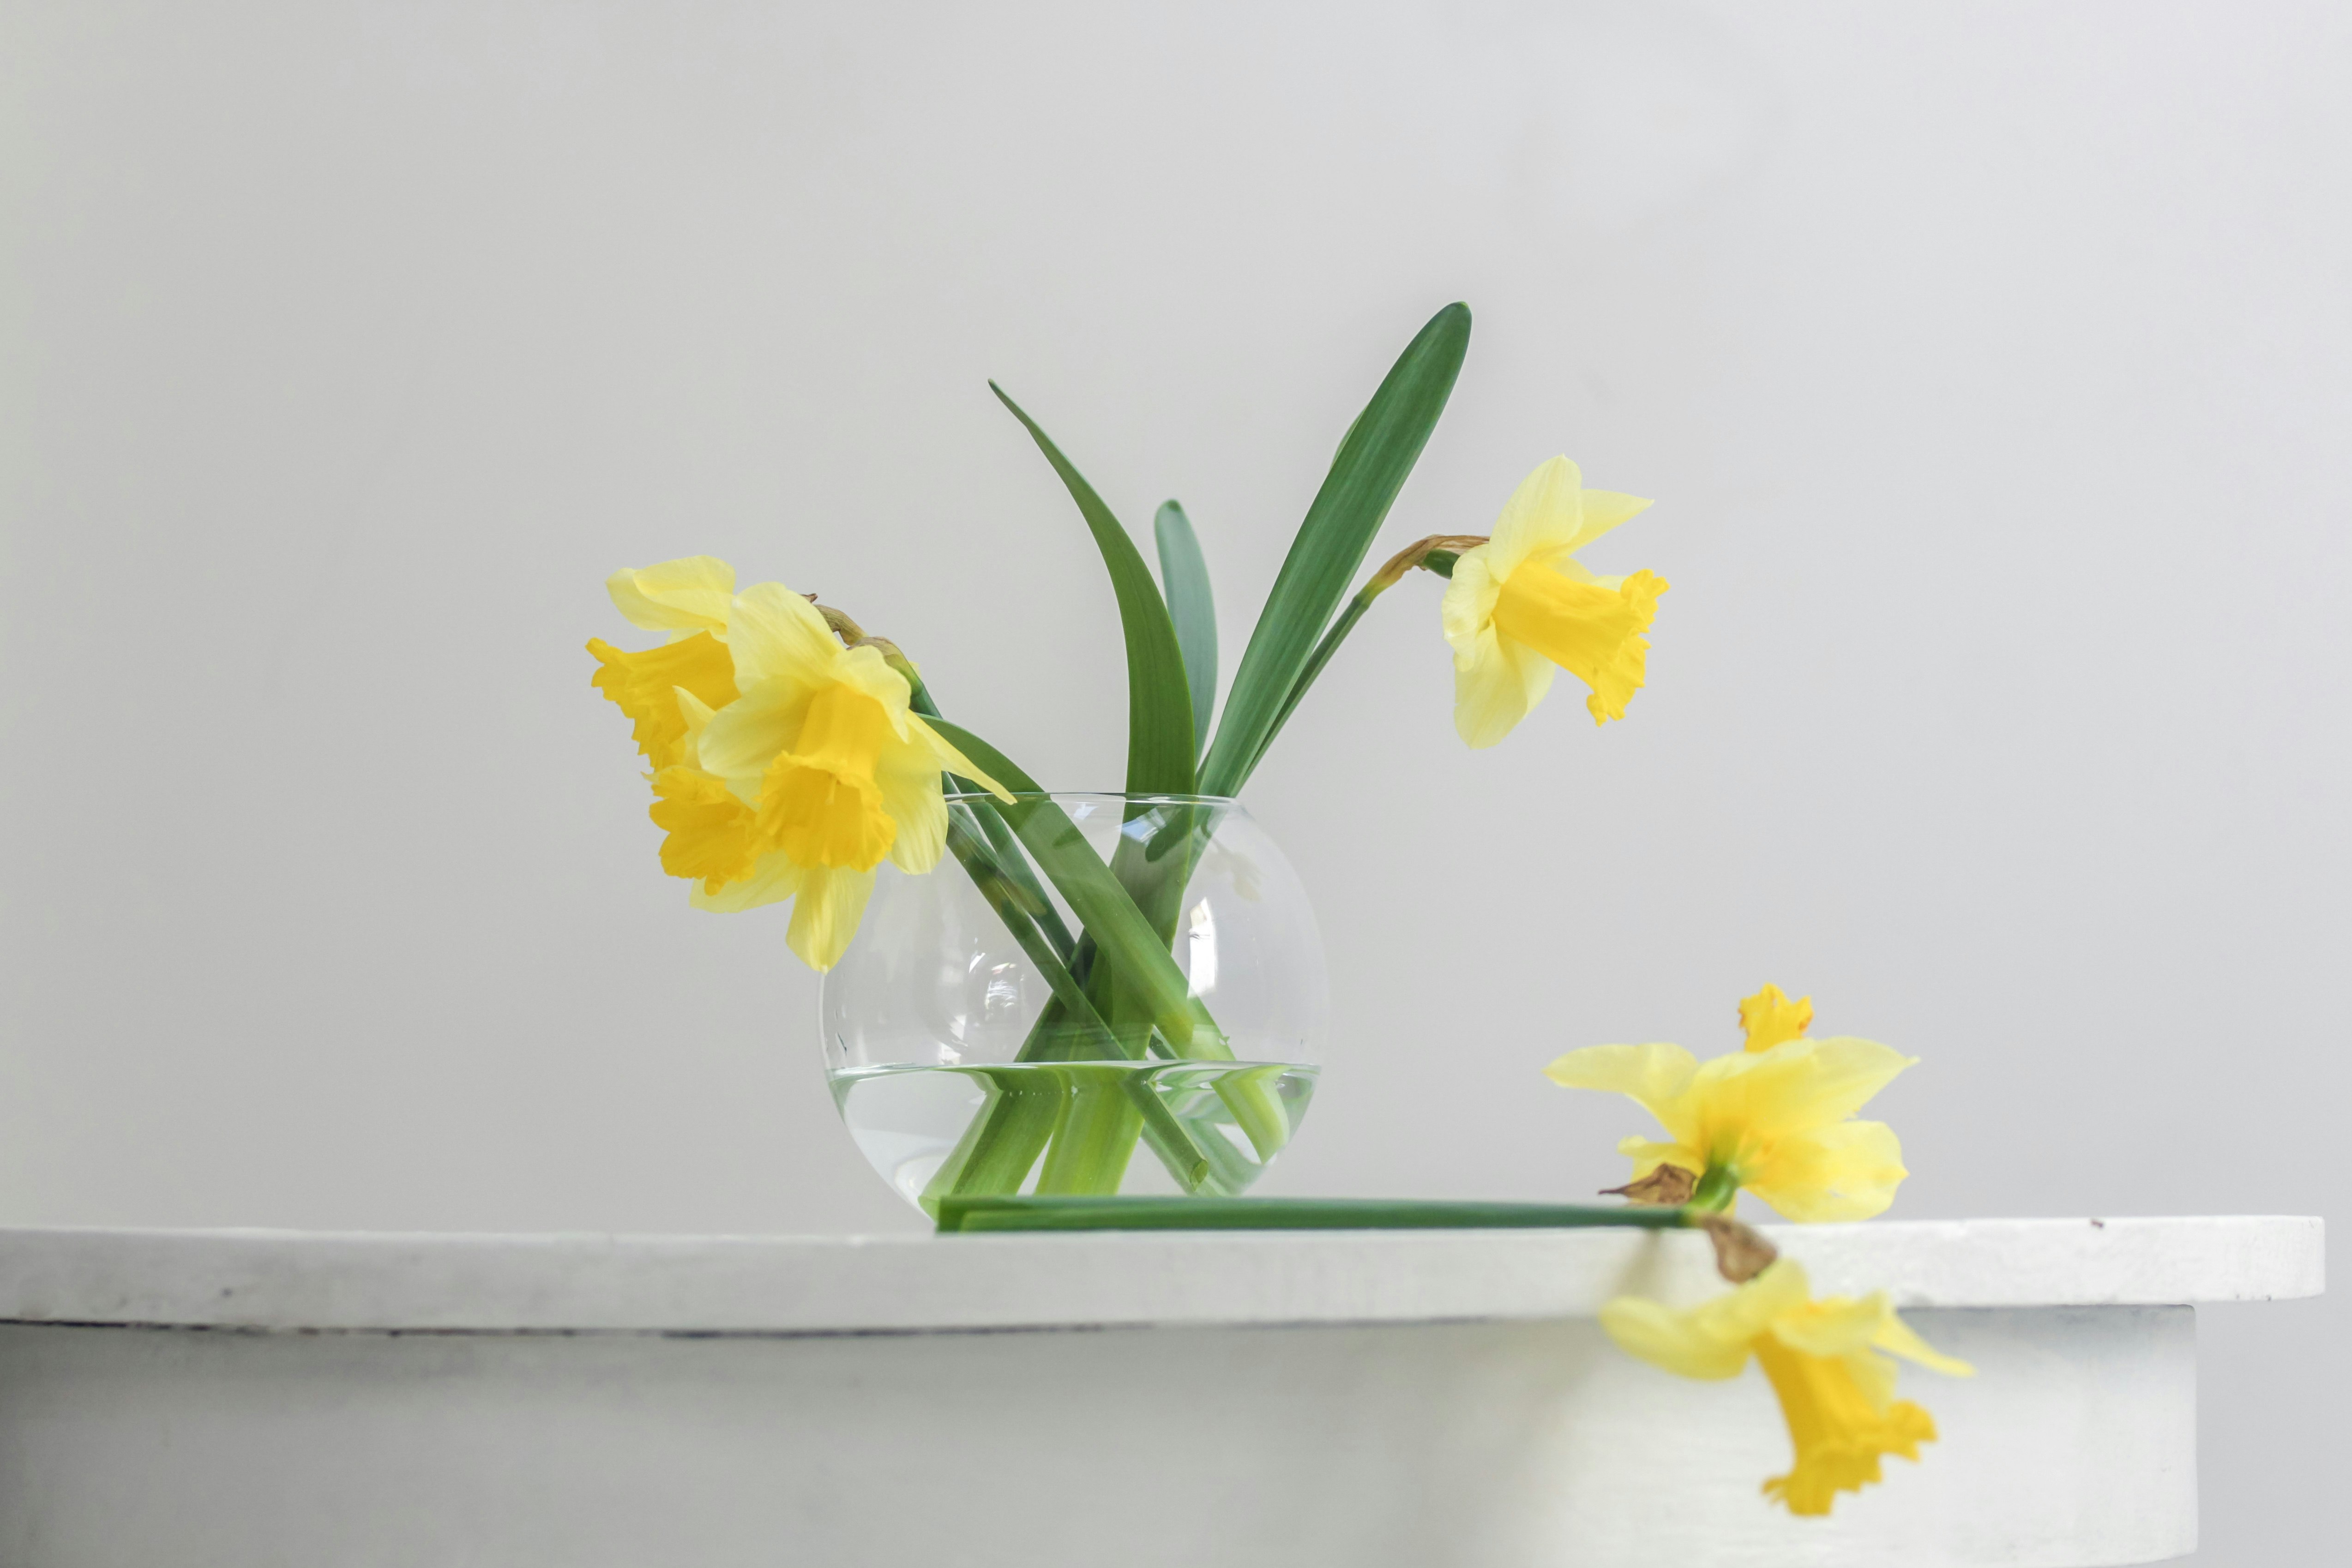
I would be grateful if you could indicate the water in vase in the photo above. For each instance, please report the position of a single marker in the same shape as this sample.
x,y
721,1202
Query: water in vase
x,y
1077,1127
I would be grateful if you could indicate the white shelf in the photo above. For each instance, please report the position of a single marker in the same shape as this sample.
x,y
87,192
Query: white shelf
x,y
1312,1399
783,1285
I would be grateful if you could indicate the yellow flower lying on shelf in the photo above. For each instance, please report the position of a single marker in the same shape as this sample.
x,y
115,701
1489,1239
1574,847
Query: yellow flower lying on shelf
x,y
1836,1391
1771,1118
786,766
1521,604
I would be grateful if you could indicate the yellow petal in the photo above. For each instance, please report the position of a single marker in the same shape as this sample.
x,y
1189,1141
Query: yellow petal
x,y
911,794
946,758
1783,1287
1747,1311
773,878
777,634
908,777
826,915
645,685
1603,511
1834,1325
1770,1018
1683,1343
696,715
1713,1339
1544,514
1800,1084
711,833
691,594
1898,1338
1829,1174
1654,1076
1467,612
1496,687
1648,1156
742,741
865,668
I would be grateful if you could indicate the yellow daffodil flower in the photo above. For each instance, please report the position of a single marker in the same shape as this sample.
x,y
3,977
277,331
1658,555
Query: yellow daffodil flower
x,y
786,766
1771,1118
1521,604
1836,1391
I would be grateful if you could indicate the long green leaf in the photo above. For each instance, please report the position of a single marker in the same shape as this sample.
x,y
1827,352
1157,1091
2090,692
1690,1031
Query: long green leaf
x,y
1161,746
1379,452
1121,934
1185,576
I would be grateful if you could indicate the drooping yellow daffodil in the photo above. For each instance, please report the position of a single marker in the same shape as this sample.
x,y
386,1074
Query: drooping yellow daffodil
x,y
1521,604
1836,1391
795,774
1771,1118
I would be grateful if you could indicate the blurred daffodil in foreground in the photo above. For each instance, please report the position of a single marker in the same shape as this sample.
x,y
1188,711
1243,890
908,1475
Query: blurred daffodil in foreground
x,y
1773,1118
1836,1390
1521,604
786,765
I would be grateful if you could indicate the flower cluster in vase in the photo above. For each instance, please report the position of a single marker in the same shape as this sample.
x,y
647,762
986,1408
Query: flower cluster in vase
x,y
791,752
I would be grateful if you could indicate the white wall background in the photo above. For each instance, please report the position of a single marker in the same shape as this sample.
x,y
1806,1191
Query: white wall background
x,y
1988,362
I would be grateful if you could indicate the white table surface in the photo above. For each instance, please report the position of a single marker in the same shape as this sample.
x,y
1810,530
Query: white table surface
x,y
790,1285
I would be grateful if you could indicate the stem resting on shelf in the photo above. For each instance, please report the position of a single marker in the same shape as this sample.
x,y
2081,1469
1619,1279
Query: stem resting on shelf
x,y
998,1212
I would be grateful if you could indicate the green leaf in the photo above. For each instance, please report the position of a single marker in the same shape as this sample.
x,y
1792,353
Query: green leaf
x,y
1379,452
1185,577
1122,936
1159,742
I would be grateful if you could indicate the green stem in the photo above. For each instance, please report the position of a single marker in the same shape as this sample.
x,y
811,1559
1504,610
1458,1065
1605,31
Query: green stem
x,y
995,1212
1016,864
1329,645
1086,1152
1440,562
1006,850
1718,1186
987,875
1097,1133
1001,1143
1120,931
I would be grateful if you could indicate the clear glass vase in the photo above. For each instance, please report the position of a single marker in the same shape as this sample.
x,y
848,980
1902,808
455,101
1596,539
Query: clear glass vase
x,y
1090,994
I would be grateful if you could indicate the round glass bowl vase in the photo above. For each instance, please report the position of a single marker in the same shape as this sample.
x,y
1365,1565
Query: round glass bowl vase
x,y
1090,994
